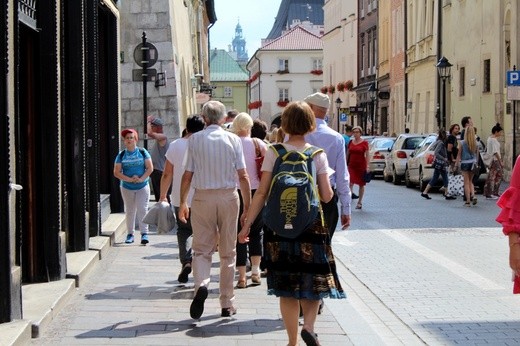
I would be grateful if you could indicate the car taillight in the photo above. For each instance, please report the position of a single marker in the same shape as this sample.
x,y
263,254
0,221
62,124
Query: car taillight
x,y
401,155
429,159
378,156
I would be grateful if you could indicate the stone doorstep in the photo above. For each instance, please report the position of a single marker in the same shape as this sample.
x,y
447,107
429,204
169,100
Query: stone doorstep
x,y
15,333
41,302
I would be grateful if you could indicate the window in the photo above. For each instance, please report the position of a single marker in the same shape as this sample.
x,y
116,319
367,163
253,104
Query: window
x,y
283,94
317,64
462,81
228,92
283,65
486,83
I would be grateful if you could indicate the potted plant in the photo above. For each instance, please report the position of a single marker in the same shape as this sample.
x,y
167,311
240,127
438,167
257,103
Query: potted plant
x,y
340,86
349,85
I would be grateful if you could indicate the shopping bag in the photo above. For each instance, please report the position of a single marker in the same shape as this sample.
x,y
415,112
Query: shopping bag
x,y
455,185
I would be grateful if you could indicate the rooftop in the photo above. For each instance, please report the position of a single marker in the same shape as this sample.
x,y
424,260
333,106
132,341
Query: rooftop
x,y
223,68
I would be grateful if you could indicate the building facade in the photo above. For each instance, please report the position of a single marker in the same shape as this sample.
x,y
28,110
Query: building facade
x,y
282,71
59,133
228,80
340,59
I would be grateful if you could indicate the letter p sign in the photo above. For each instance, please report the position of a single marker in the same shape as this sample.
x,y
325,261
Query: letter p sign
x,y
513,78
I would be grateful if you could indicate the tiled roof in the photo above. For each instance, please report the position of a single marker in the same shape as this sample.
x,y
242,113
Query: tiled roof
x,y
223,68
289,10
298,38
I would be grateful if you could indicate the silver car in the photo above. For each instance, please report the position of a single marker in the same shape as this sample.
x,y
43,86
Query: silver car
x,y
378,150
395,166
420,163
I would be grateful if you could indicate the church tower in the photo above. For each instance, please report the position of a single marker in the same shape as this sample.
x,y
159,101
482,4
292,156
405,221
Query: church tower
x,y
239,51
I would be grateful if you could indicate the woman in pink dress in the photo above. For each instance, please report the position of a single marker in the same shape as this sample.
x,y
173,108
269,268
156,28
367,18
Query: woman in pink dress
x,y
509,217
357,162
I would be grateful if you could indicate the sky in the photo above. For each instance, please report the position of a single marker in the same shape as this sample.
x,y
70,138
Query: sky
x,y
256,18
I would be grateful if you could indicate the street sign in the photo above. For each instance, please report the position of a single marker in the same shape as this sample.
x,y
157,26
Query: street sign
x,y
137,74
343,114
513,92
513,78
151,54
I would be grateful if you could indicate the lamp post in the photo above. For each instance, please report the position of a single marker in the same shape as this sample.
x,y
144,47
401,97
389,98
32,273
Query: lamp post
x,y
444,69
338,107
372,93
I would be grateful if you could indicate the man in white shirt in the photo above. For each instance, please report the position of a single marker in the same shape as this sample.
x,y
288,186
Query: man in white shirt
x,y
214,159
334,146
173,170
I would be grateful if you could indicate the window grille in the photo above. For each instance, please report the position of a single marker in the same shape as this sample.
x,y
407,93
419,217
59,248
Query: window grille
x,y
27,12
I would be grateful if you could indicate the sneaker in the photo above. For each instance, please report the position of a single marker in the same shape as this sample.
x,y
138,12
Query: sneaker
x,y
144,239
197,305
492,197
450,197
228,312
129,238
425,195
183,276
497,196
474,200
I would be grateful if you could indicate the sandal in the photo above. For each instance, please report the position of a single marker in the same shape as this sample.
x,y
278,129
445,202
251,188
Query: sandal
x,y
359,206
310,339
241,284
255,279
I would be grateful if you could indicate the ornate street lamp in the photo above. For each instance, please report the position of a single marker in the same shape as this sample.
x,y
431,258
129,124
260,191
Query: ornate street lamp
x,y
338,107
372,93
444,69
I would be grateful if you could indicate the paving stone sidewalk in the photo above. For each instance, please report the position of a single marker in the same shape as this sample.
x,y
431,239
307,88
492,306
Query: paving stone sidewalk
x,y
133,297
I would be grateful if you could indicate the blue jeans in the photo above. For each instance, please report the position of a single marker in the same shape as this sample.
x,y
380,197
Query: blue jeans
x,y
436,172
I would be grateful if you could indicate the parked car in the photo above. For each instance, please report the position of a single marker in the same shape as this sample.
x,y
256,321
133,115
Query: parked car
x,y
419,170
369,139
395,163
378,149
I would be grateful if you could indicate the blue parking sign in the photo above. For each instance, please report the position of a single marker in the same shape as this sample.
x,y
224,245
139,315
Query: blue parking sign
x,y
343,117
513,78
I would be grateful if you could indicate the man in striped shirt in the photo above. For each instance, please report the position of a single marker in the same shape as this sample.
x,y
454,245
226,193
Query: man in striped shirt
x,y
214,158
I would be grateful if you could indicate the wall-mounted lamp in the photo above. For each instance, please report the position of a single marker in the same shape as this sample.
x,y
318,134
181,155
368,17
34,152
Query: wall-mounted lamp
x,y
196,81
160,79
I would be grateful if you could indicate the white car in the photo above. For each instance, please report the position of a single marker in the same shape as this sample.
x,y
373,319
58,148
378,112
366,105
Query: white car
x,y
395,166
419,170
378,150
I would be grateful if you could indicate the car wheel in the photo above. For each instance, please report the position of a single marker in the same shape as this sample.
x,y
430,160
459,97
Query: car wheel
x,y
387,177
422,182
396,178
407,182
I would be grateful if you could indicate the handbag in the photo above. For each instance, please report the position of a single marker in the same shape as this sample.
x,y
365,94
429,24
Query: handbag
x,y
475,168
486,158
455,185
439,165
367,176
259,159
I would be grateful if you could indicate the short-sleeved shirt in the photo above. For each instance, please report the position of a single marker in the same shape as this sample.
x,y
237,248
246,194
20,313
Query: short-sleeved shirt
x,y
214,155
176,156
320,160
455,149
248,146
132,163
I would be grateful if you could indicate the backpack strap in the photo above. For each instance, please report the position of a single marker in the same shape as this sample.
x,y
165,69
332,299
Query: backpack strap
x,y
122,153
279,149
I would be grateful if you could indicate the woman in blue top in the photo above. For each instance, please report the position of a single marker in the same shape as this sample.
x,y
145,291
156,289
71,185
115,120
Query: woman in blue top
x,y
133,166
468,160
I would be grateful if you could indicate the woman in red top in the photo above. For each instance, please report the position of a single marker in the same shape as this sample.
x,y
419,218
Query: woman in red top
x,y
357,162
509,217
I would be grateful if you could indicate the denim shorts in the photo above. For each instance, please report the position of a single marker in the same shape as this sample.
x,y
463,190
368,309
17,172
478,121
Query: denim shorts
x,y
466,167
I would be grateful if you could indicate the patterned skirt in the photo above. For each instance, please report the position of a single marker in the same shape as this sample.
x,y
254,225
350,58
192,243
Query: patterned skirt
x,y
301,268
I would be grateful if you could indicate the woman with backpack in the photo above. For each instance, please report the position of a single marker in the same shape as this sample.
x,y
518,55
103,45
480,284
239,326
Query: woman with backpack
x,y
133,167
301,269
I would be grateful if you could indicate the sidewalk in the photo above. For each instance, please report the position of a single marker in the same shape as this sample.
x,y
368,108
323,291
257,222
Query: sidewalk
x,y
133,297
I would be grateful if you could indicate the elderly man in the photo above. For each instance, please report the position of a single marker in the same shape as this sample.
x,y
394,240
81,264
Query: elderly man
x,y
214,158
334,146
154,130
